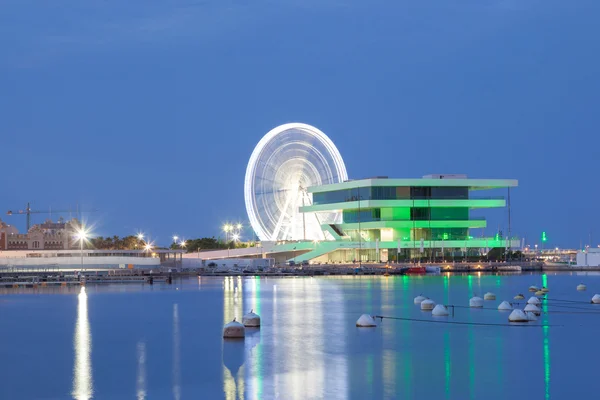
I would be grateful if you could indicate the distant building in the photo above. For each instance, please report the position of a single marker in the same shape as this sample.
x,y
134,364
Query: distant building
x,y
589,257
46,236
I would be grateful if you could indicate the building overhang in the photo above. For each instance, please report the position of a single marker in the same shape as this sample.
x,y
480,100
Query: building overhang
x,y
472,184
365,204
474,223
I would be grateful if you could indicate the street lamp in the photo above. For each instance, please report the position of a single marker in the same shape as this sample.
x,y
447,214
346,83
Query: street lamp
x,y
182,243
140,236
81,235
227,228
175,238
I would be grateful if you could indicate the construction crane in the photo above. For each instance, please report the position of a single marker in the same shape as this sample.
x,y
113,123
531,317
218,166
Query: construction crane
x,y
28,211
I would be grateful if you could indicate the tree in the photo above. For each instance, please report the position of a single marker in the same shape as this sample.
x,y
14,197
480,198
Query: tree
x,y
496,254
206,243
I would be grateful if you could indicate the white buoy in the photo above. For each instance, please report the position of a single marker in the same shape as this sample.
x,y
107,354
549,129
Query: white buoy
x,y
533,300
489,296
366,321
440,311
505,306
234,330
476,302
427,305
419,299
596,299
581,287
545,289
519,297
531,316
533,288
251,320
517,316
533,308
540,293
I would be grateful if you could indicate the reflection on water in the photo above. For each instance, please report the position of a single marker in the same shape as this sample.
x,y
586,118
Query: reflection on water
x,y
176,355
82,343
308,345
233,350
546,342
141,371
254,380
233,369
233,299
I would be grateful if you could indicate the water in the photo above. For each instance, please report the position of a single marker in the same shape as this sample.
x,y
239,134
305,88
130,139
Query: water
x,y
140,341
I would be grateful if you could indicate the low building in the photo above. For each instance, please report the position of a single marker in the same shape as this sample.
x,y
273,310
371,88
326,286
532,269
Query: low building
x,y
589,257
49,235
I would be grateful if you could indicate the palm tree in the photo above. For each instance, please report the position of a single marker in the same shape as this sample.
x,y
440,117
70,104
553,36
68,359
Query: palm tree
x,y
116,243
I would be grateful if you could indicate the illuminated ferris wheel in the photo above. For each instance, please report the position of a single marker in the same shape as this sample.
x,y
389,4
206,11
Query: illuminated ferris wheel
x,y
286,161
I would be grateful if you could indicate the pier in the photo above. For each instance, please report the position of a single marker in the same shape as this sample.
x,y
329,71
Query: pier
x,y
56,277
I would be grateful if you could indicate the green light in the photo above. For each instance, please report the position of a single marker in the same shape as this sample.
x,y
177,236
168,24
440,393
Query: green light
x,y
544,237
545,280
470,237
445,236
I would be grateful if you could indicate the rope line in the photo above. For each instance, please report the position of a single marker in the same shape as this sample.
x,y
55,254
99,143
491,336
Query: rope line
x,y
517,305
381,317
568,301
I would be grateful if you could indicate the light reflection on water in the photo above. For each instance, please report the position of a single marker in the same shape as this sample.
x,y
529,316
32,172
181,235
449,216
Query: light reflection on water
x,y
83,386
170,342
141,371
176,354
233,350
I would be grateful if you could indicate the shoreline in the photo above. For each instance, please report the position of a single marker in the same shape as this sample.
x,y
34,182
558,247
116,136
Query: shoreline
x,y
38,278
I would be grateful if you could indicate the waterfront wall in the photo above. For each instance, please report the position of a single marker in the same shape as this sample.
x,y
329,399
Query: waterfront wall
x,y
75,261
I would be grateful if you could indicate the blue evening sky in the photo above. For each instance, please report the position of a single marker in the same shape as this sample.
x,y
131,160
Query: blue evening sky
x,y
149,109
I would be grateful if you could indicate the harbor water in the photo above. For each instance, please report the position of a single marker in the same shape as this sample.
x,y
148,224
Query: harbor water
x,y
165,341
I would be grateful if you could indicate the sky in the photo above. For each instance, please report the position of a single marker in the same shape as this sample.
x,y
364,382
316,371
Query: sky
x,y
148,110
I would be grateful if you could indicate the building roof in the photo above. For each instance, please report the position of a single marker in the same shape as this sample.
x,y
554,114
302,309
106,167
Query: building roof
x,y
472,184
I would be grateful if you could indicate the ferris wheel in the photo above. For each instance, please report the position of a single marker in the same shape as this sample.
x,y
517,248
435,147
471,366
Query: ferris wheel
x,y
287,160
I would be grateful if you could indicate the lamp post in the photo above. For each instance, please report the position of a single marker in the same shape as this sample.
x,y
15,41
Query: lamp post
x,y
182,244
227,228
81,235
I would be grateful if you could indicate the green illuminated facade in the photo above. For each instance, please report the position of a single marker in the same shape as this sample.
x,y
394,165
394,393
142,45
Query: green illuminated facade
x,y
399,219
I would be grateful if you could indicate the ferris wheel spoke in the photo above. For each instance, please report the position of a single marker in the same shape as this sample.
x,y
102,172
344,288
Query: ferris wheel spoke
x,y
281,218
272,192
265,179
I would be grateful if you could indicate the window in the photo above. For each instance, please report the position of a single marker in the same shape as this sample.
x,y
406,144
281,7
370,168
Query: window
x,y
420,214
450,192
449,214
420,192
450,234
353,216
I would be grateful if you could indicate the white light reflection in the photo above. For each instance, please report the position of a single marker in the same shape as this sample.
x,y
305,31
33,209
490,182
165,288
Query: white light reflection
x,y
176,352
304,352
141,371
83,386
233,351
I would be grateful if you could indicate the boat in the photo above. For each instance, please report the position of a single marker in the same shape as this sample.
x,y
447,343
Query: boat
x,y
416,271
433,269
